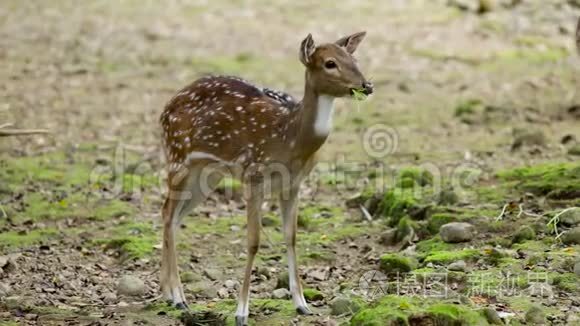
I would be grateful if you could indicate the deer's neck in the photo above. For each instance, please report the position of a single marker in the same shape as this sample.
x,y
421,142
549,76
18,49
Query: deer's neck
x,y
315,120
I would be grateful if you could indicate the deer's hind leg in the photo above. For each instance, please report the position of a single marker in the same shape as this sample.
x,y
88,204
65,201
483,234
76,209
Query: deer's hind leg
x,y
186,191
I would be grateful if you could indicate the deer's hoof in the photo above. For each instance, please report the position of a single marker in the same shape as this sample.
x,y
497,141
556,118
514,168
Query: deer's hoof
x,y
181,306
303,310
241,320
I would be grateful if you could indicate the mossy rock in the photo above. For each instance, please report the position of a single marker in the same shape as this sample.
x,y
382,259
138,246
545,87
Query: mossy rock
x,y
394,263
414,177
405,229
396,204
523,234
312,295
555,181
438,220
400,310
446,257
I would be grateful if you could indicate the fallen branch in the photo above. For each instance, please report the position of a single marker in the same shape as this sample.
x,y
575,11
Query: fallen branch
x,y
22,132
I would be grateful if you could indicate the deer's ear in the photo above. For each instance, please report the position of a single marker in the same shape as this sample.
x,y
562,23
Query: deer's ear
x,y
351,42
307,48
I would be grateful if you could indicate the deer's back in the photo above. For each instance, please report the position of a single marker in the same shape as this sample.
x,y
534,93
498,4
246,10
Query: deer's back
x,y
228,118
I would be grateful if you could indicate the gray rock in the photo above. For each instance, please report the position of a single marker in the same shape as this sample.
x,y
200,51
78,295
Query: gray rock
x,y
577,269
5,290
525,138
109,298
571,217
456,232
283,281
280,294
389,237
231,284
213,274
204,290
458,266
523,234
535,315
130,285
492,316
541,290
572,236
343,306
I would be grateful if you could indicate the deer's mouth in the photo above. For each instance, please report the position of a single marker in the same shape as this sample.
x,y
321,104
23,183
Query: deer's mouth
x,y
359,94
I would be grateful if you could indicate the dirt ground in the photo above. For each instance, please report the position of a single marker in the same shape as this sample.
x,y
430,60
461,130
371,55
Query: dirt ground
x,y
486,103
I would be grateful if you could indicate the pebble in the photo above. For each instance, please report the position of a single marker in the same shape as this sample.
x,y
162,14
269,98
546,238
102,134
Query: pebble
x,y
131,286
457,232
458,266
343,306
535,315
231,284
5,290
572,236
109,298
280,294
212,274
577,269
542,290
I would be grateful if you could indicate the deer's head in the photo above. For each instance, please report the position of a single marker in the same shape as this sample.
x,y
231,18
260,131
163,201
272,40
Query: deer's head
x,y
331,68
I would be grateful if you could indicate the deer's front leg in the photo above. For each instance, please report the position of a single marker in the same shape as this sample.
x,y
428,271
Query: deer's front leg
x,y
289,210
254,209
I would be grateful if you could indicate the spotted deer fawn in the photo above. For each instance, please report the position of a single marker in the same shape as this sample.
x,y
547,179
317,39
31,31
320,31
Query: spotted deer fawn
x,y
261,136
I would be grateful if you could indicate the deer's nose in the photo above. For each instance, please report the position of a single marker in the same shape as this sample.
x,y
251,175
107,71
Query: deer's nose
x,y
368,87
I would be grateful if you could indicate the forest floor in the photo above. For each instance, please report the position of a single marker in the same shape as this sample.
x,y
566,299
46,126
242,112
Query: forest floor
x,y
475,120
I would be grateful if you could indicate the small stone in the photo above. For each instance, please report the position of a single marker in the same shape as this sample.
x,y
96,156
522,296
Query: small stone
x,y
492,316
223,293
456,232
10,265
542,290
5,290
447,197
389,237
535,315
525,138
3,261
577,269
203,289
343,306
313,295
280,294
393,263
458,266
574,150
264,271
188,277
231,284
572,236
212,274
109,298
130,285
319,274
570,218
268,221
283,281
523,234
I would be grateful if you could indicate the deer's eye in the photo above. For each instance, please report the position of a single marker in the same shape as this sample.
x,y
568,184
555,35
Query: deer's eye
x,y
330,64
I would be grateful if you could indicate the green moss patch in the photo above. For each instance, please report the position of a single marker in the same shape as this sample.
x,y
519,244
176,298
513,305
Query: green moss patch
x,y
396,204
398,310
557,181
14,239
393,263
445,257
130,240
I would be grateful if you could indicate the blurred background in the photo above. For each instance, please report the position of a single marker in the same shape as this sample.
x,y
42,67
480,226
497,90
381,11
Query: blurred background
x,y
485,85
